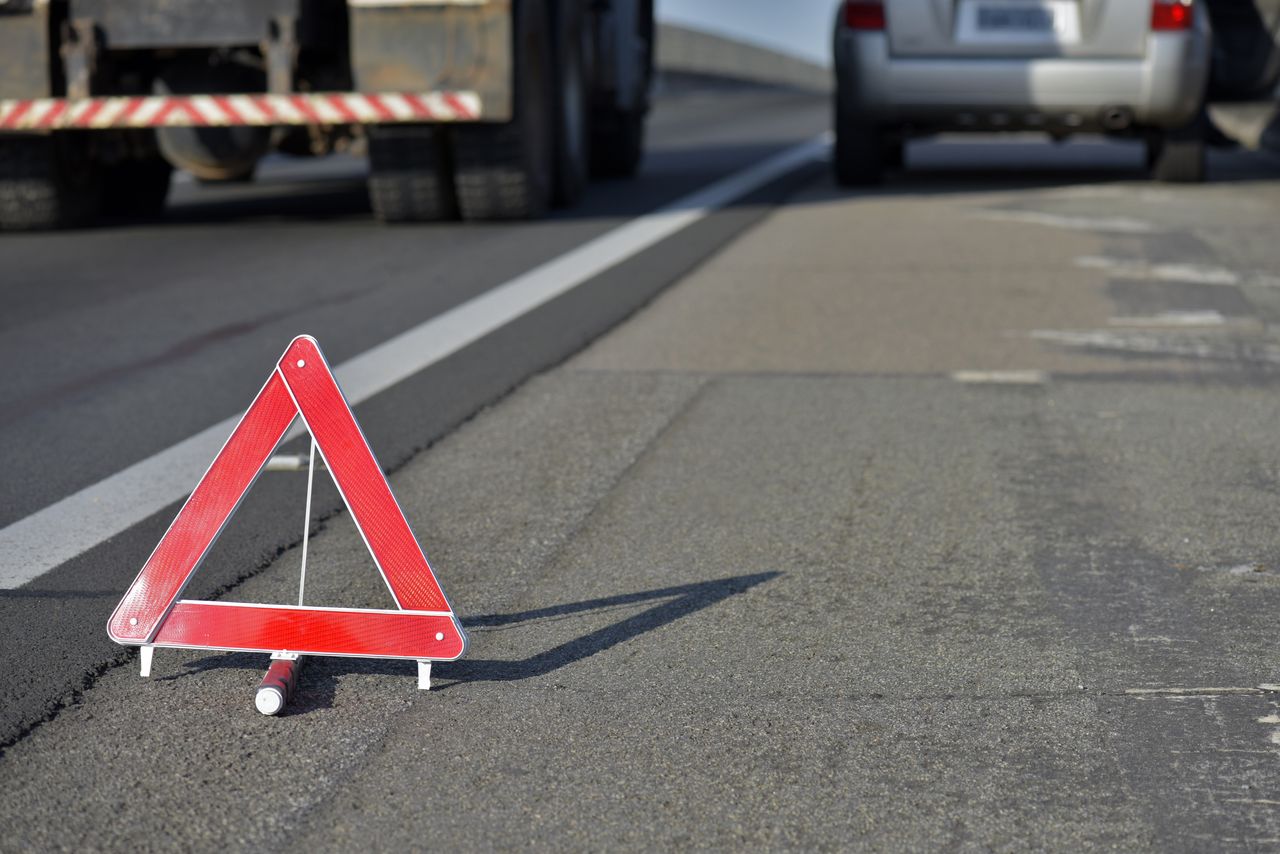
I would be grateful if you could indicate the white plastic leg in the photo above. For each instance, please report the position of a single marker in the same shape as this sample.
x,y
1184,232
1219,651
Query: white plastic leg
x,y
424,675
145,653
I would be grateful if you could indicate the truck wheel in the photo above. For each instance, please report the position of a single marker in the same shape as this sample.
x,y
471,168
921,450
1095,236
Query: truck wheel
x,y
860,151
1176,158
137,187
408,179
572,132
617,135
617,143
505,171
47,182
212,154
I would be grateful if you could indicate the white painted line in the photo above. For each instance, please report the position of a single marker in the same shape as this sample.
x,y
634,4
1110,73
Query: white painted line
x,y
1112,224
1155,343
1131,268
1129,342
48,538
1171,320
1196,274
1193,692
1001,377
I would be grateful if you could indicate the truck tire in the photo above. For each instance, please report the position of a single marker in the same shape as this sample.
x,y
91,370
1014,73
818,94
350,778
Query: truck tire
x,y
617,142
137,187
505,171
573,138
408,174
617,135
47,181
212,154
859,150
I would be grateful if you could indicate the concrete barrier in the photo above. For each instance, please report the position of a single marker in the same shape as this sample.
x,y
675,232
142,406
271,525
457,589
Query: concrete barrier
x,y
680,49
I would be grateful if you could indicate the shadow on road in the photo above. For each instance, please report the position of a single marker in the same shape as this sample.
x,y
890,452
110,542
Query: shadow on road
x,y
681,602
317,687
959,165
935,167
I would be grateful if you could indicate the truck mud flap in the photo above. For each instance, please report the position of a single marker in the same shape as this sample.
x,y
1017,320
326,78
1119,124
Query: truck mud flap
x,y
430,45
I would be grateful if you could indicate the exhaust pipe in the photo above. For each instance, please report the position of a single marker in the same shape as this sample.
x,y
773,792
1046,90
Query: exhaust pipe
x,y
1116,118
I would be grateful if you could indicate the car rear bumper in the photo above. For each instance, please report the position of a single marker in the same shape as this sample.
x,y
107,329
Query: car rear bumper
x,y
1164,89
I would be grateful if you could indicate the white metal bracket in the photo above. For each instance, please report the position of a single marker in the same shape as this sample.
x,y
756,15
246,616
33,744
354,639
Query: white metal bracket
x,y
145,653
424,675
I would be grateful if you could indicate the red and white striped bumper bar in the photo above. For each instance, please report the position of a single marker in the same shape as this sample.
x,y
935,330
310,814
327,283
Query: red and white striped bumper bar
x,y
331,108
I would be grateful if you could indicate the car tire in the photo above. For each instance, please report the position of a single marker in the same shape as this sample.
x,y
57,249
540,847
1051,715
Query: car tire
x,y
895,153
408,177
859,151
506,171
48,181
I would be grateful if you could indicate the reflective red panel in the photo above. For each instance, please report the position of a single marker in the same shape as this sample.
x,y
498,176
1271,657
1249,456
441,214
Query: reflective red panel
x,y
1171,16
864,15
302,383
311,631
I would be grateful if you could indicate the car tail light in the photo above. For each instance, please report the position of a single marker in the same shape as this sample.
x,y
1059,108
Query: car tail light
x,y
1166,16
864,15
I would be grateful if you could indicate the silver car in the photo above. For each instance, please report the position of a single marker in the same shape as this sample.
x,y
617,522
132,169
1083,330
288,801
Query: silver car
x,y
914,67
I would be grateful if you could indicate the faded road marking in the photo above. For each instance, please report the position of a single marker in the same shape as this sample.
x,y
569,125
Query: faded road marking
x,y
1030,377
1199,692
1111,224
1172,319
1195,274
1137,269
1162,345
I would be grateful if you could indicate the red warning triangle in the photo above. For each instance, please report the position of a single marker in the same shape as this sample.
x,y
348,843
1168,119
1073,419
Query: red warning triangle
x,y
425,627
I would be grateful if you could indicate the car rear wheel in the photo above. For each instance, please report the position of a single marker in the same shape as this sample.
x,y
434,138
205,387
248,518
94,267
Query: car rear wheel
x,y
895,152
860,151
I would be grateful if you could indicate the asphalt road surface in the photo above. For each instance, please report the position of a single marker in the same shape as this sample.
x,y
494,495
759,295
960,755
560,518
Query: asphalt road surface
x,y
939,516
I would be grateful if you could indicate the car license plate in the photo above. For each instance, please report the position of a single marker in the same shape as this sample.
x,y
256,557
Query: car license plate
x,y
1030,19
1018,22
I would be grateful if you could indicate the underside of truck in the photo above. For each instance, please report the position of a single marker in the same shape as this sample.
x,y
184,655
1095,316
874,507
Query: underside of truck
x,y
472,109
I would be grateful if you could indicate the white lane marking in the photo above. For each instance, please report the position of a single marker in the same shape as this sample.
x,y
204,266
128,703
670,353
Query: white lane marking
x,y
1192,692
1161,344
1171,320
1030,377
1108,224
1128,193
1196,274
1238,569
1131,268
49,537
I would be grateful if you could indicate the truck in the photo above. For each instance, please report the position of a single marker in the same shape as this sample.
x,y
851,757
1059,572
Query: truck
x,y
473,109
